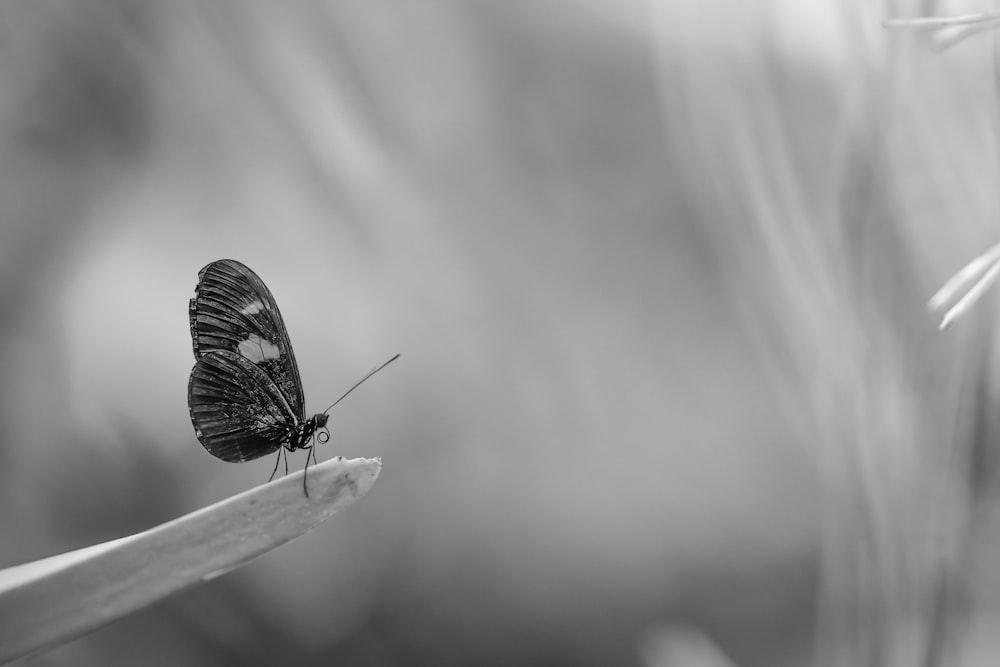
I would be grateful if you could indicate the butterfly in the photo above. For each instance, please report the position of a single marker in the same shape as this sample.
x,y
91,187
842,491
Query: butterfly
x,y
245,393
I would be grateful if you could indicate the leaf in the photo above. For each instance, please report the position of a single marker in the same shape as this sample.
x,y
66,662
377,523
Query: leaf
x,y
966,287
51,601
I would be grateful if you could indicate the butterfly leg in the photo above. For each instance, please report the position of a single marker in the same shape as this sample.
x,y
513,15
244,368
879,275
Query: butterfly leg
x,y
276,462
305,473
281,451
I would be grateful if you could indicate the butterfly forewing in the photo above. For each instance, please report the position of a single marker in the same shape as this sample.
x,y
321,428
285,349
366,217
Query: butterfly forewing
x,y
233,310
238,412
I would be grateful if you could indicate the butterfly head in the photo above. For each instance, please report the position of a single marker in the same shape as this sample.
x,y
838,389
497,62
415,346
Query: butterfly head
x,y
316,426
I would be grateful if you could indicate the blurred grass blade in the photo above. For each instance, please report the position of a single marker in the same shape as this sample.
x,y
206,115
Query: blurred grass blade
x,y
967,286
938,22
48,602
946,38
949,30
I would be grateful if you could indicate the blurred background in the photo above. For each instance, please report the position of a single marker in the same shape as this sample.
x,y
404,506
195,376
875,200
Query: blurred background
x,y
669,394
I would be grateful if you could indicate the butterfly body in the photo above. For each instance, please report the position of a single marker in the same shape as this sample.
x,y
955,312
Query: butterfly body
x,y
302,435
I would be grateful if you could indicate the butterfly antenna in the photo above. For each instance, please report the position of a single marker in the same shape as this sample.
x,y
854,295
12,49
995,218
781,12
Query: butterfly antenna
x,y
359,382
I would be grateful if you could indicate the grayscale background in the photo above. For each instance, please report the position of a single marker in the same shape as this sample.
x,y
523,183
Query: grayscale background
x,y
669,394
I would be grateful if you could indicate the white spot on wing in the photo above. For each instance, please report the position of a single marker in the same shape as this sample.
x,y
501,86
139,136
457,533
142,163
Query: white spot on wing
x,y
256,349
252,308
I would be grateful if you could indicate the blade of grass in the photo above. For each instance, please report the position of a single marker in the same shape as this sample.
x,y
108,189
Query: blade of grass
x,y
946,38
967,286
966,303
51,601
937,22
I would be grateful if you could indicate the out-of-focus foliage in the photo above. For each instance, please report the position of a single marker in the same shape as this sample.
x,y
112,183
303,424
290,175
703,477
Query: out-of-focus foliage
x,y
657,271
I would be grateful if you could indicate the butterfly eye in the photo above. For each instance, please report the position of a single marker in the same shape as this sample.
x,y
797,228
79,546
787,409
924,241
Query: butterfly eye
x,y
323,435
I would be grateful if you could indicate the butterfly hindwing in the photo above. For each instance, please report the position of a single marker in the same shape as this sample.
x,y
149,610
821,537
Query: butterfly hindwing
x,y
238,412
233,310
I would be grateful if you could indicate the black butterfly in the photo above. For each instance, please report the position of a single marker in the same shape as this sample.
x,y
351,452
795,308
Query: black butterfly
x,y
245,394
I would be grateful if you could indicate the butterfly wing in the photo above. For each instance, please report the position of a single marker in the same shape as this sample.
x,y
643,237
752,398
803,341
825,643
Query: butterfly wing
x,y
238,412
233,310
